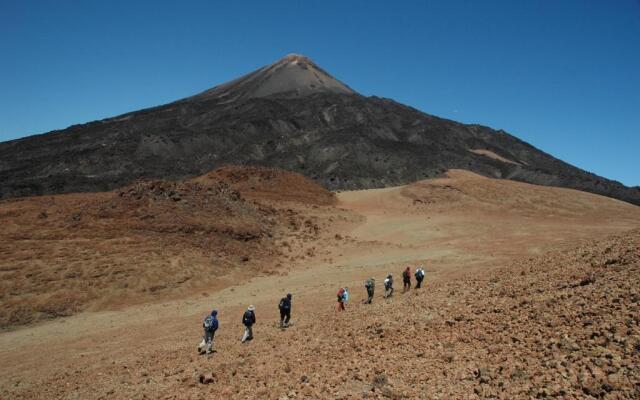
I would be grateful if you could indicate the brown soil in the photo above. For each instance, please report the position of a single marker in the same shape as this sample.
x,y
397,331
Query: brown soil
x,y
260,183
148,241
528,295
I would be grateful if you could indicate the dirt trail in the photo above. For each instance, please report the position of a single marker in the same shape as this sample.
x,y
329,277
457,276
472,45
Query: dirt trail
x,y
449,225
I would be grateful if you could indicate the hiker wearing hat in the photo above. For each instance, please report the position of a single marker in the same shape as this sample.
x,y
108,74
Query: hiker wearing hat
x,y
248,319
210,326
285,311
406,279
370,285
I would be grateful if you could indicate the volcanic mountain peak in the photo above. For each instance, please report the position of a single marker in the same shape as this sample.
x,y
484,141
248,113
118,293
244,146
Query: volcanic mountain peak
x,y
290,114
295,58
294,75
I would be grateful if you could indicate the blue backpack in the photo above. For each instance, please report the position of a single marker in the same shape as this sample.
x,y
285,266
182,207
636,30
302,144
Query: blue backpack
x,y
210,324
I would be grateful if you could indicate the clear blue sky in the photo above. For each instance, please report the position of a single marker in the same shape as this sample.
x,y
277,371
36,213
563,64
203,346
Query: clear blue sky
x,y
562,75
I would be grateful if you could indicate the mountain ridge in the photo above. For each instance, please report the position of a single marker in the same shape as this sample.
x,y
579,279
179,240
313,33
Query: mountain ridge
x,y
330,133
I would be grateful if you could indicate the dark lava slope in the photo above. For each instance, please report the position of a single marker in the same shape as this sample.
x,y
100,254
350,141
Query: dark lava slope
x,y
292,115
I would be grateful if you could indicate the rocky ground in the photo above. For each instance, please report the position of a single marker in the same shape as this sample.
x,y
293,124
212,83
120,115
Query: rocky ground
x,y
563,325
530,293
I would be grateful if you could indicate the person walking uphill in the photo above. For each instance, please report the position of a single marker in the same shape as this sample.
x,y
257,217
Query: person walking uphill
x,y
406,279
285,311
248,319
210,326
370,285
343,296
388,286
419,277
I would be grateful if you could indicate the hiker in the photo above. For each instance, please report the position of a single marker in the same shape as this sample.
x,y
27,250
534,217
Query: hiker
x,y
210,326
370,285
388,286
285,310
248,319
419,277
341,299
406,279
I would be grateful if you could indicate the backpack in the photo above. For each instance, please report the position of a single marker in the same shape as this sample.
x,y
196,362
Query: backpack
x,y
405,274
284,304
341,294
368,284
419,273
209,324
388,283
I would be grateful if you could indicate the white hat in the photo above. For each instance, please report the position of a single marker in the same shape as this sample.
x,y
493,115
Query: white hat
x,y
251,307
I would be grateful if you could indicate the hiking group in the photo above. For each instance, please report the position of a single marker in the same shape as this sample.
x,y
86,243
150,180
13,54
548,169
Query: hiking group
x,y
211,324
370,286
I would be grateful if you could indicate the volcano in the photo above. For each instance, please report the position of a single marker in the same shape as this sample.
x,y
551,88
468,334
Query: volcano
x,y
291,114
293,76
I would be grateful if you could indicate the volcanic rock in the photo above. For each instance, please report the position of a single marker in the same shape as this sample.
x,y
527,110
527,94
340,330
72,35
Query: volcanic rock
x,y
291,114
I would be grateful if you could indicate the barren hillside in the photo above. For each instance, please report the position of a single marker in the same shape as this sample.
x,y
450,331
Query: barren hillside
x,y
147,241
531,292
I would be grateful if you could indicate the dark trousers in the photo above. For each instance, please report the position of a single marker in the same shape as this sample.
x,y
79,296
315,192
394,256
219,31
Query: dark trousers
x,y
285,316
407,284
370,295
418,282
